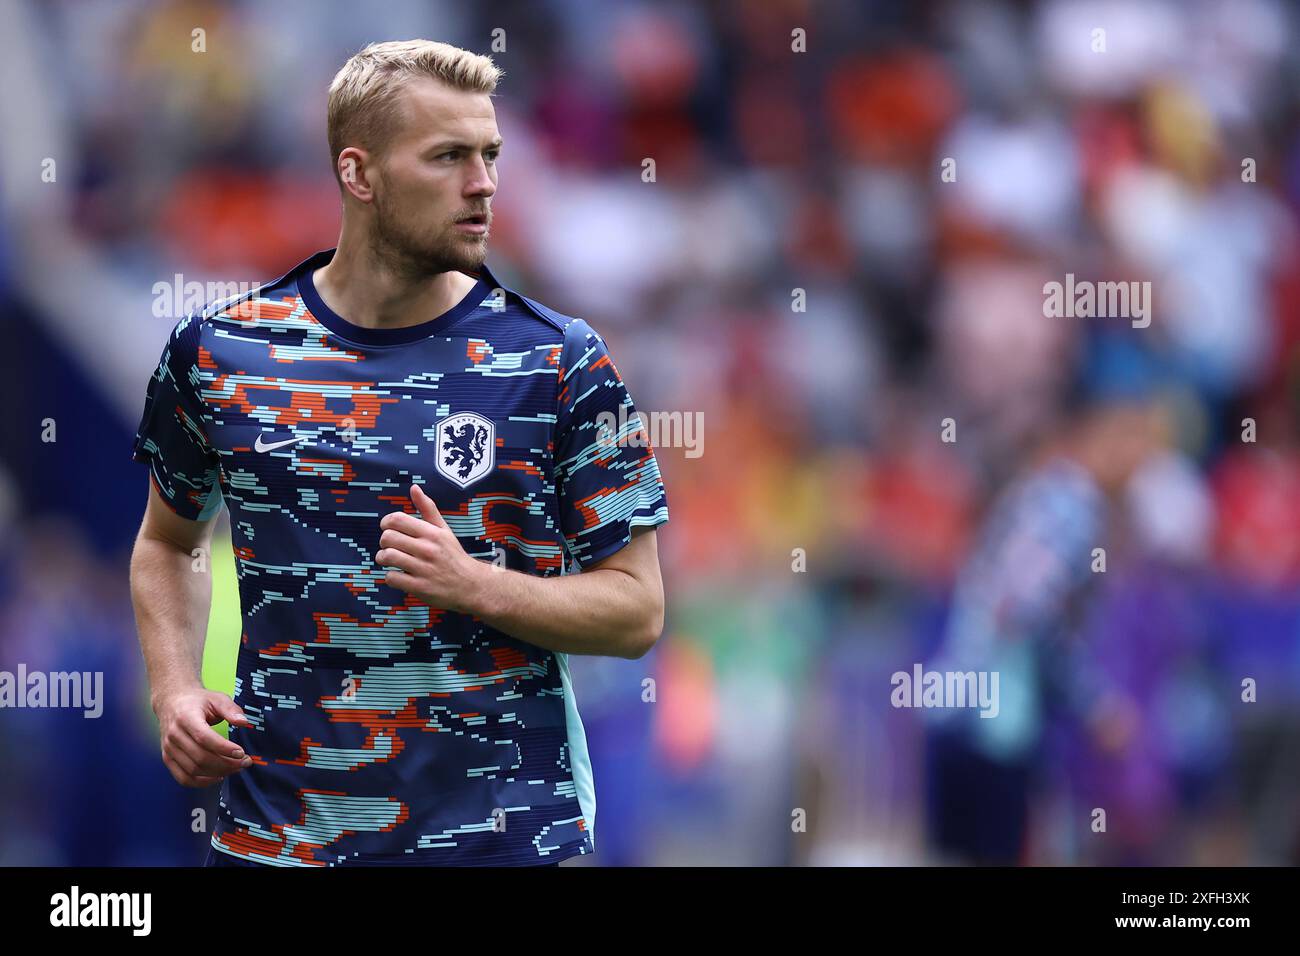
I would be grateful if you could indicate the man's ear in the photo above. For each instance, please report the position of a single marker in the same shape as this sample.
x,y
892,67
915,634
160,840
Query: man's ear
x,y
354,176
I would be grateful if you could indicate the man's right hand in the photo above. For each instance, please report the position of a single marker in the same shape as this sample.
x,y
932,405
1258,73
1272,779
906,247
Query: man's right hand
x,y
197,755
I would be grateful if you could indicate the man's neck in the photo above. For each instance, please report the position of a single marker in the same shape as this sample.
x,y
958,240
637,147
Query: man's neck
x,y
356,285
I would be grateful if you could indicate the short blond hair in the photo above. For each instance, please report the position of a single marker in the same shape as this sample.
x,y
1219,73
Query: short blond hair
x,y
362,102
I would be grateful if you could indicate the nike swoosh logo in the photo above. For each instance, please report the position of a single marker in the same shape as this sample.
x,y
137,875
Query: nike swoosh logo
x,y
258,446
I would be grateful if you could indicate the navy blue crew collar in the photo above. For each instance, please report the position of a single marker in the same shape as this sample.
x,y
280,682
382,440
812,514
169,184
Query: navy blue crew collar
x,y
381,337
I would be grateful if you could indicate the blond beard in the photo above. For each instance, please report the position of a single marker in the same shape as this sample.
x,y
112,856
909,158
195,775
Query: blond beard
x,y
406,255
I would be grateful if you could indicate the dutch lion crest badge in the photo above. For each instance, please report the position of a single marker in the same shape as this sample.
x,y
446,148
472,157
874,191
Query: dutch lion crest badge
x,y
466,445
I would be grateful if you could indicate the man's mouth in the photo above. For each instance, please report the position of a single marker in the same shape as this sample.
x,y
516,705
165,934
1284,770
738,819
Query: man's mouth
x,y
473,224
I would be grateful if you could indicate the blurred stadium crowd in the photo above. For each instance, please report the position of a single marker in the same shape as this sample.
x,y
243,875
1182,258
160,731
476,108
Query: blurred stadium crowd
x,y
1170,155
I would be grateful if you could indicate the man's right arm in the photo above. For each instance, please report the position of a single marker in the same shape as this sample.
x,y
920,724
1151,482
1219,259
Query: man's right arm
x,y
172,600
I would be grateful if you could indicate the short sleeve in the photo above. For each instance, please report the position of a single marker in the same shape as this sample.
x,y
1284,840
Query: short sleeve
x,y
607,477
171,438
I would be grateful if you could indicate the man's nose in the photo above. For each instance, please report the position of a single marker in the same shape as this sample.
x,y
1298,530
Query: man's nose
x,y
480,182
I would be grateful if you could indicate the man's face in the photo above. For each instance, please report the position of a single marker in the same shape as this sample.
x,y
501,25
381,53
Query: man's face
x,y
436,178
1128,433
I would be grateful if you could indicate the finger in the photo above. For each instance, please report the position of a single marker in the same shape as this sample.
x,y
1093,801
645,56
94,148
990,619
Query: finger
x,y
174,750
199,762
393,538
183,750
184,763
406,524
220,765
428,510
393,558
227,710
187,779
393,519
402,581
209,745
180,775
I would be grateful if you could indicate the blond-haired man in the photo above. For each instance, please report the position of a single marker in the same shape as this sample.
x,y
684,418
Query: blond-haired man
x,y
416,461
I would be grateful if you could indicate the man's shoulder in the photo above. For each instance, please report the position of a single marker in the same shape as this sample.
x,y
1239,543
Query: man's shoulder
x,y
569,327
206,300
243,304
552,317
576,331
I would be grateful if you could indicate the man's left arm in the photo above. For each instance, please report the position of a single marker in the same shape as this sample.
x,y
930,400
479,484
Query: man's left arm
x,y
614,608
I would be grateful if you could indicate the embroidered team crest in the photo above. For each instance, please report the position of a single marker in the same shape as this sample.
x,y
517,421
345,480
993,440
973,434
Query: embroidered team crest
x,y
466,445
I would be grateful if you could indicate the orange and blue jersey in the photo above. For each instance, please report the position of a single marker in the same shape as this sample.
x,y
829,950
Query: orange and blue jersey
x,y
383,730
